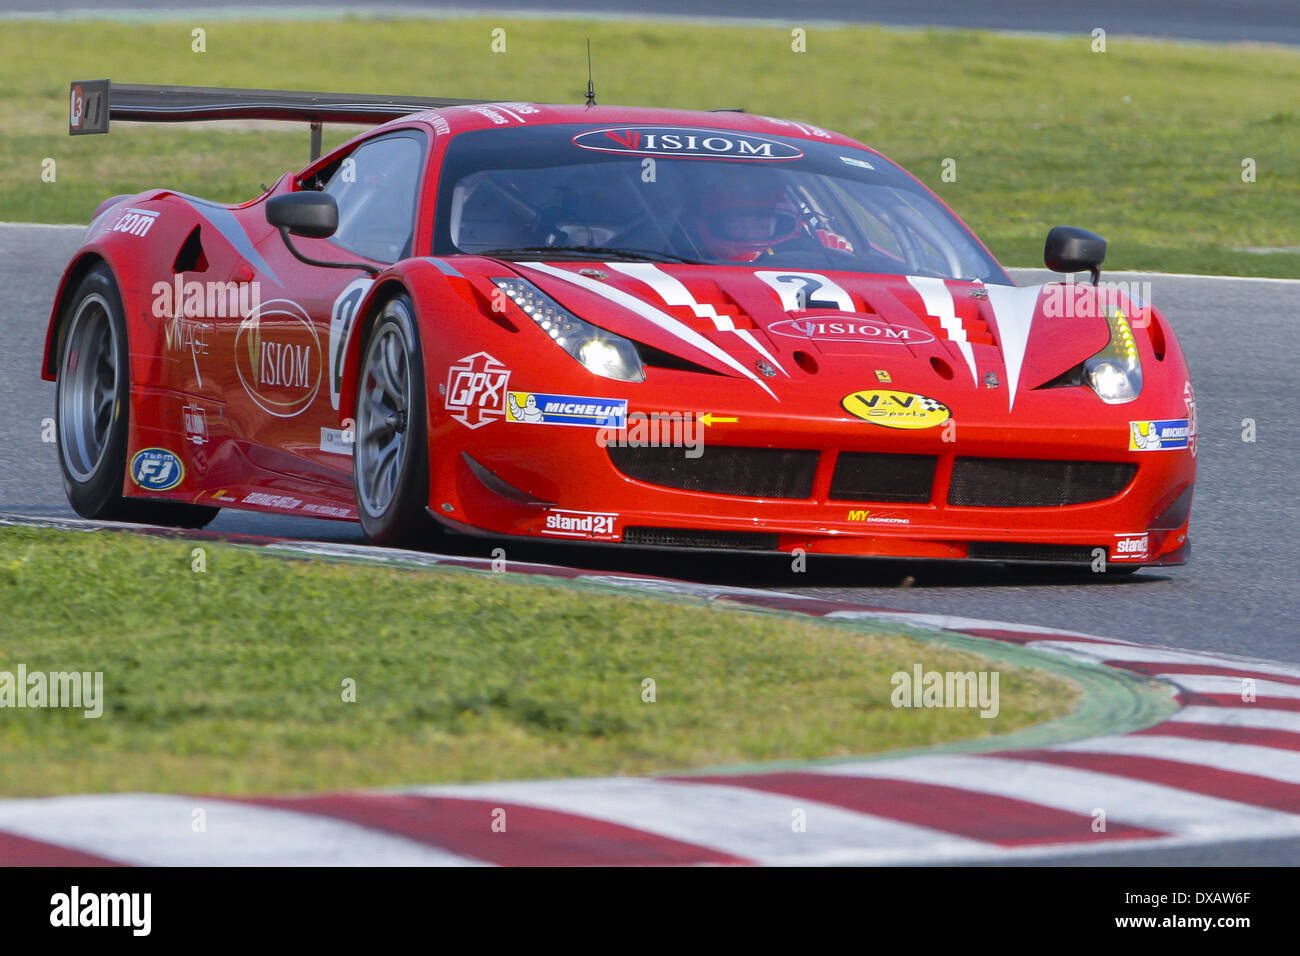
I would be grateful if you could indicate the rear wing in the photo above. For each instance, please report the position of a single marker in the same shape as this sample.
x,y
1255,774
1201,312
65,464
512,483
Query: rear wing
x,y
92,104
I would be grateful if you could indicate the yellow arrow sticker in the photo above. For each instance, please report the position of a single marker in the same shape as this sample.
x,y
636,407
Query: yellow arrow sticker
x,y
708,418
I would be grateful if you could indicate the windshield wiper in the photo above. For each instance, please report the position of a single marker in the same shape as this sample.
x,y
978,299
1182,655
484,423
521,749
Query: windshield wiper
x,y
598,252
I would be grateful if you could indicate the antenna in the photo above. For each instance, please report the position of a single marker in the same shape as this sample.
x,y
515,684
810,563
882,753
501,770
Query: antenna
x,y
591,90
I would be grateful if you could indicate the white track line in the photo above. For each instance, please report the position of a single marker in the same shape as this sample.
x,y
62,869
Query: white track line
x,y
1205,684
1260,718
1271,762
1142,654
156,830
949,622
1179,812
745,823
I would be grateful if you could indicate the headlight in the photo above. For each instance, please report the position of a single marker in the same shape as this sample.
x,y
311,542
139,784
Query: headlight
x,y
1115,373
602,353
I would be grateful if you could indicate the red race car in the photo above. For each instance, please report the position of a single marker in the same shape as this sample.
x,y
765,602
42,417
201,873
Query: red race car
x,y
605,324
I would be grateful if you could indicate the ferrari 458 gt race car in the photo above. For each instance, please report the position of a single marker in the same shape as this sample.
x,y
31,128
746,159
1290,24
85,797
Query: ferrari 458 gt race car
x,y
588,323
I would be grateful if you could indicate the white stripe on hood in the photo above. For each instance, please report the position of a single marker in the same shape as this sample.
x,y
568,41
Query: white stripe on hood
x,y
938,303
1014,311
674,292
660,318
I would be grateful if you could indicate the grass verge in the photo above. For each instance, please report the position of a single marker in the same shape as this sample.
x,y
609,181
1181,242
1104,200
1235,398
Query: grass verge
x,y
230,680
1143,142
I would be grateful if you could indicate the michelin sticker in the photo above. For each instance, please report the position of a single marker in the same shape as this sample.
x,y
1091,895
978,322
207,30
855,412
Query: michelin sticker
x,y
1170,435
157,469
535,408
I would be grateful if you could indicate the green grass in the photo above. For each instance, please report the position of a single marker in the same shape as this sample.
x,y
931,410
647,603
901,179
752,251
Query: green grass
x,y
1143,143
230,680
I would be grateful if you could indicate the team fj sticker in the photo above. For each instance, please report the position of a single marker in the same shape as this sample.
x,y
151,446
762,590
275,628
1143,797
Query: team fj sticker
x,y
1168,435
157,469
882,406
475,392
593,525
685,142
535,408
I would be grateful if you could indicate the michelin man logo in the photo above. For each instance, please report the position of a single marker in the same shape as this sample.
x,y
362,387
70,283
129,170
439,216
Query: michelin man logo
x,y
528,413
1145,435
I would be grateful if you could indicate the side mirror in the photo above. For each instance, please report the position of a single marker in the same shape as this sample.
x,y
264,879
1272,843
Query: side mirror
x,y
1071,249
311,214
308,213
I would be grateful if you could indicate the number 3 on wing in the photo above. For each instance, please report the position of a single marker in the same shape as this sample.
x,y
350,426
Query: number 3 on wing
x,y
806,290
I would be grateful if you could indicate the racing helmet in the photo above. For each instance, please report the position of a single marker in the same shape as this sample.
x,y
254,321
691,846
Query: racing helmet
x,y
740,221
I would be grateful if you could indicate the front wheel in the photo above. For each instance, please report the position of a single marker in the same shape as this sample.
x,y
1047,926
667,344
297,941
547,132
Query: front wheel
x,y
390,460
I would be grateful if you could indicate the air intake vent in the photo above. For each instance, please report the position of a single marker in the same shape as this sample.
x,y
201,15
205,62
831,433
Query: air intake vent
x,y
1021,483
871,476
722,470
688,538
1011,551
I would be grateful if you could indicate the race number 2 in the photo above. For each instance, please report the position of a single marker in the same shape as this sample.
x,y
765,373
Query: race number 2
x,y
800,291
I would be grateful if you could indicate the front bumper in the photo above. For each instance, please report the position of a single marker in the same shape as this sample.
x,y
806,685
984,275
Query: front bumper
x,y
561,484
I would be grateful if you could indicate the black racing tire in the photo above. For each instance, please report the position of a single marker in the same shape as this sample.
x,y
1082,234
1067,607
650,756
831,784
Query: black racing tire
x,y
92,408
390,456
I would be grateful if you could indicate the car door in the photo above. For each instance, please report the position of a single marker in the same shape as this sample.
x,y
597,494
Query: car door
x,y
289,359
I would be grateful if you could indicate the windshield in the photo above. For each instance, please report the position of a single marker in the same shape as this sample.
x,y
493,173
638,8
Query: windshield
x,y
694,195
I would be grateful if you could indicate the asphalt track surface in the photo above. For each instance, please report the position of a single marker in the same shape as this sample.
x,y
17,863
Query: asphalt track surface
x,y
1238,595
1265,21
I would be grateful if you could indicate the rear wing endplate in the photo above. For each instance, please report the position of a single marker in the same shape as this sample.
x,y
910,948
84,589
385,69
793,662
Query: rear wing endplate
x,y
92,104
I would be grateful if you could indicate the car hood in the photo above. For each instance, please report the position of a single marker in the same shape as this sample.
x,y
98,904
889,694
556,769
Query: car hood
x,y
778,328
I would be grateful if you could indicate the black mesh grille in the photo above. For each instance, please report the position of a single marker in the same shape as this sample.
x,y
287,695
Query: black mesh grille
x,y
1012,551
1020,483
869,476
751,472
688,538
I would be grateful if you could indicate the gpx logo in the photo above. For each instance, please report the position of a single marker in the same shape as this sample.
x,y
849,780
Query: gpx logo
x,y
156,469
476,389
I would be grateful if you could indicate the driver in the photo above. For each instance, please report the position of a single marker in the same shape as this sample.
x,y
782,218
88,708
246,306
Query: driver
x,y
740,221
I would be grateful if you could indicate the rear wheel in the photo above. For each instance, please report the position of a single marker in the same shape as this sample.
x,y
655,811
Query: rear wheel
x,y
390,460
92,404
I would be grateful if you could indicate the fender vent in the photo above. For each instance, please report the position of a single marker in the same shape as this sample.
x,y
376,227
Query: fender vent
x,y
1026,483
190,258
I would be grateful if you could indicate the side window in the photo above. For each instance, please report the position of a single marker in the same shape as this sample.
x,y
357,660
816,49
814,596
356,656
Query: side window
x,y
375,190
